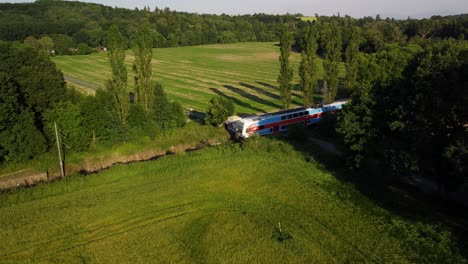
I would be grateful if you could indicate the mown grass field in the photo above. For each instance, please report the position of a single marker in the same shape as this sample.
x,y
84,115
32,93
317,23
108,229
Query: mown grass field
x,y
243,72
217,205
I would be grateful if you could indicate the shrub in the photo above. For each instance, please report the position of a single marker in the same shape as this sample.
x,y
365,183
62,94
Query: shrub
x,y
219,110
167,114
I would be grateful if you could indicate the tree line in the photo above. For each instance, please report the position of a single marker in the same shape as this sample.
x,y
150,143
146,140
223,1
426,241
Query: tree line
x,y
78,28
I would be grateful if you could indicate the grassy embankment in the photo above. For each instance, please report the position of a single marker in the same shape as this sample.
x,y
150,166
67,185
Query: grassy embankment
x,y
222,204
182,138
244,72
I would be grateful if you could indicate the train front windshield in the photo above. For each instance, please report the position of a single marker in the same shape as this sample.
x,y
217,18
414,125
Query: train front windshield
x,y
239,128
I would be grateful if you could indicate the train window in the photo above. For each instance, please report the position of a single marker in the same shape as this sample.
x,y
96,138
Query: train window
x,y
283,117
301,114
261,127
295,115
289,116
306,113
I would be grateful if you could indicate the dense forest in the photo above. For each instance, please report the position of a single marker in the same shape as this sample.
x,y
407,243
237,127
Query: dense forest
x,y
407,79
76,26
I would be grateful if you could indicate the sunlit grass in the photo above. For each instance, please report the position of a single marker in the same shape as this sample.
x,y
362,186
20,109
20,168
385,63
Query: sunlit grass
x,y
221,204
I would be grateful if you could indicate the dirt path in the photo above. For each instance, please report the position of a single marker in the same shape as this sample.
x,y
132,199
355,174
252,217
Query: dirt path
x,y
81,82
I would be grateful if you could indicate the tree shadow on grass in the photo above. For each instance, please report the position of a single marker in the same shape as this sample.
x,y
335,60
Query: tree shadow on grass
x,y
237,102
267,85
250,96
389,193
261,91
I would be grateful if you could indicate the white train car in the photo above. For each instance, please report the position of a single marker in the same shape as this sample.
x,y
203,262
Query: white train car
x,y
277,122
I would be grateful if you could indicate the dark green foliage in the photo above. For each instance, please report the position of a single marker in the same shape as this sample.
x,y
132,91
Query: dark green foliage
x,y
409,111
70,126
167,114
63,44
286,70
29,85
84,49
352,59
117,86
219,110
355,125
331,40
87,23
22,140
141,122
308,68
101,121
427,119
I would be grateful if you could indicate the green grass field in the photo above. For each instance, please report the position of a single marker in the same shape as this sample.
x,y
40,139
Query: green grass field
x,y
218,205
244,72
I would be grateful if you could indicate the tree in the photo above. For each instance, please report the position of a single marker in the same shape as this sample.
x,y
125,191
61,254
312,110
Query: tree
x,y
308,68
117,86
331,37
167,114
84,49
355,121
70,124
46,44
31,41
428,119
286,70
29,84
143,69
219,110
100,119
352,59
63,44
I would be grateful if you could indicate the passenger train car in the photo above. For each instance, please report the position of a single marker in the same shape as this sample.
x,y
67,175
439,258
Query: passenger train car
x,y
273,123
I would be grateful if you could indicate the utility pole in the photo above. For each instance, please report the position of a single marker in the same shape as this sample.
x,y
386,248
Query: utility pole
x,y
58,148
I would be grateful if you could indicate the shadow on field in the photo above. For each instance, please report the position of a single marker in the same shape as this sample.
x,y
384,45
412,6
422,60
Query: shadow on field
x,y
389,193
237,101
262,91
250,96
267,85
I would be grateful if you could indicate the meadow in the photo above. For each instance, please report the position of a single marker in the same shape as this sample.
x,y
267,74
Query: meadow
x,y
244,72
257,202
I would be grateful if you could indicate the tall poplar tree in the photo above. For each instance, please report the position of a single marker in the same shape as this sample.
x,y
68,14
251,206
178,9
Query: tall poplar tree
x,y
352,59
142,68
286,70
331,38
117,86
308,67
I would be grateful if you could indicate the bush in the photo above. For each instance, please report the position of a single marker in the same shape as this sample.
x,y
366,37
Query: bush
x,y
84,49
219,110
70,125
101,120
167,114
141,122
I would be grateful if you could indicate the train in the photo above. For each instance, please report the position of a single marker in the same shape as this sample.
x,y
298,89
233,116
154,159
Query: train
x,y
277,122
